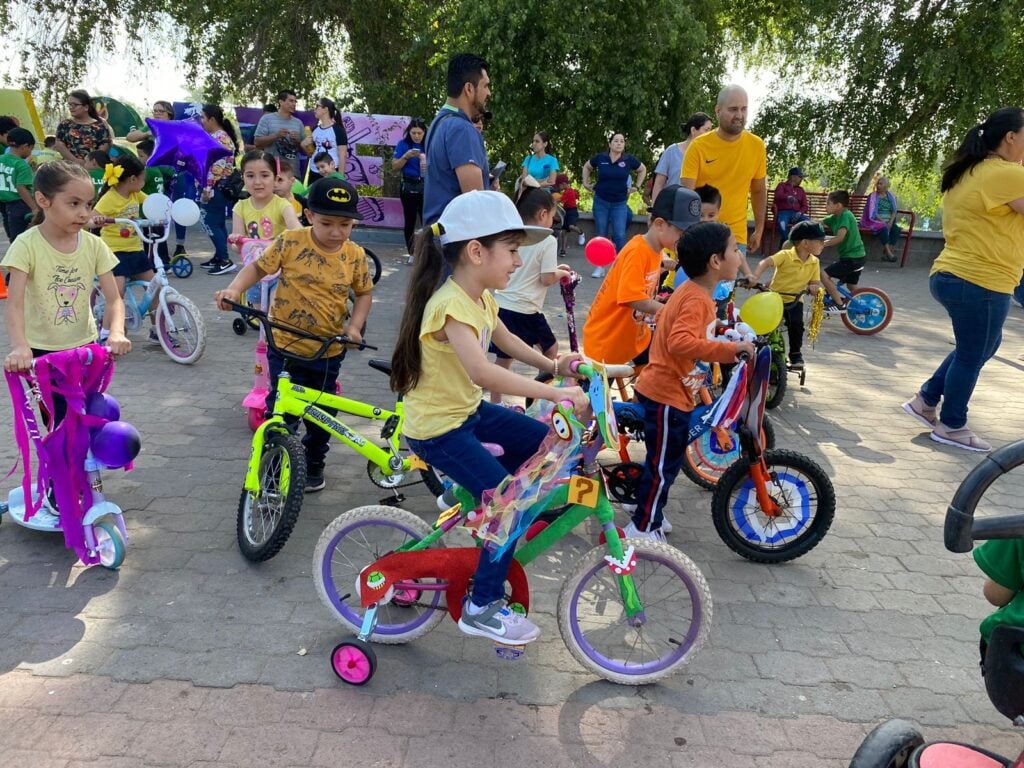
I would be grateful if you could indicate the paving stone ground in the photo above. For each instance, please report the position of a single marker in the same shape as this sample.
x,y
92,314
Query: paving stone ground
x,y
191,656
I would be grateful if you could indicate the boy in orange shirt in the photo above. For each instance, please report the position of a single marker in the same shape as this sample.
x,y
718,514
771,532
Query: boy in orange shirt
x,y
682,347
616,330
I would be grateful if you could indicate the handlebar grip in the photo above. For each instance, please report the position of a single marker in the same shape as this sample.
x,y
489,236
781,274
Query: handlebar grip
x,y
623,371
567,404
743,356
574,366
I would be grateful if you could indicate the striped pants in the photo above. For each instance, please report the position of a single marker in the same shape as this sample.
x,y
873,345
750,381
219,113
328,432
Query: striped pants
x,y
665,430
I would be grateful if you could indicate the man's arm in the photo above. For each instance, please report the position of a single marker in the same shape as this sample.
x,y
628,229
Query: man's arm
x,y
263,138
759,202
470,177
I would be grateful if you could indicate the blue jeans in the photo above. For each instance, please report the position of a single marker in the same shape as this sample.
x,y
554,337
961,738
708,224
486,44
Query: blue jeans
x,y
1018,293
319,374
215,222
889,235
184,186
460,455
665,433
786,220
615,213
978,315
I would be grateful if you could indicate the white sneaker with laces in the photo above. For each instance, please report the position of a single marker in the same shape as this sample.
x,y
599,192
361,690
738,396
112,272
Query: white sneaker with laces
x,y
666,526
498,622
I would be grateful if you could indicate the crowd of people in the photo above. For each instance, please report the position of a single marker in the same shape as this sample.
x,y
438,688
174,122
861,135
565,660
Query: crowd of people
x,y
482,265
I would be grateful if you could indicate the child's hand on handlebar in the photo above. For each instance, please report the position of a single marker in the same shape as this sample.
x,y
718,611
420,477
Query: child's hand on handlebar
x,y
19,359
744,350
355,338
580,399
566,365
119,344
225,295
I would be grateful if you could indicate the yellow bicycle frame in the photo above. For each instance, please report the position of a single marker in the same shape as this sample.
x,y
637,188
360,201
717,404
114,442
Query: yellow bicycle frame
x,y
308,404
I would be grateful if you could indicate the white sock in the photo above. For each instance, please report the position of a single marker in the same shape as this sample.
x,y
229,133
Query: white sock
x,y
104,333
473,609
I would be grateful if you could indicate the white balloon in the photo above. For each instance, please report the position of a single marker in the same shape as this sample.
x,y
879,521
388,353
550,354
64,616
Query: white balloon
x,y
185,212
156,207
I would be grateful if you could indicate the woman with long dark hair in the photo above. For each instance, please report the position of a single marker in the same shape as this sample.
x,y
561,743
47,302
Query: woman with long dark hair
x,y
214,204
411,160
84,132
327,136
540,164
977,270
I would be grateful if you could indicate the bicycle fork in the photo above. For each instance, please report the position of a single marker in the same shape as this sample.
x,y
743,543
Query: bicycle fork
x,y
759,473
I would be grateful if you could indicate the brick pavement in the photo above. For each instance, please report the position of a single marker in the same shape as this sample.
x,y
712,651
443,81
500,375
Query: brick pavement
x,y
191,656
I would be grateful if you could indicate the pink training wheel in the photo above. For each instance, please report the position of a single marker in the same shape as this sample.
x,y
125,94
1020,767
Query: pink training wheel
x,y
354,662
255,417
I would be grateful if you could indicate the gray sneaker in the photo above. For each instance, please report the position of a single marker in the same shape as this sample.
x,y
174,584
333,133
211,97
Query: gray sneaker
x,y
499,623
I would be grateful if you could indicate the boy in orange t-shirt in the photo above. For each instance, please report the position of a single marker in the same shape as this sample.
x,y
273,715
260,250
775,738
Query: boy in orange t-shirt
x,y
616,330
667,387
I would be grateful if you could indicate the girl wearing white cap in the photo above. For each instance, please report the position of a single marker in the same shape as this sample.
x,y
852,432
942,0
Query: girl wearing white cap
x,y
440,366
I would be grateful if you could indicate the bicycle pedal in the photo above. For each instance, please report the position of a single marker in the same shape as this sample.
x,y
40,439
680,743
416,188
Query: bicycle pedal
x,y
396,499
509,652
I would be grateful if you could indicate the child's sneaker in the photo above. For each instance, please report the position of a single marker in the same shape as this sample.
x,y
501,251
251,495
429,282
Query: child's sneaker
x,y
498,622
209,264
582,239
315,482
632,532
920,410
223,268
599,272
796,361
959,438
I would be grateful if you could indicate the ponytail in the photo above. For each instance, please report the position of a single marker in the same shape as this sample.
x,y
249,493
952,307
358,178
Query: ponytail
x,y
214,112
428,268
979,142
122,168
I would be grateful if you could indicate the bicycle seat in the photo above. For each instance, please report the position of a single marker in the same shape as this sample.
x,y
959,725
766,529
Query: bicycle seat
x,y
384,366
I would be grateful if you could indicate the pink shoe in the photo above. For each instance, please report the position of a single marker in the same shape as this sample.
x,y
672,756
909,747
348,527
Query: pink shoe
x,y
921,411
959,438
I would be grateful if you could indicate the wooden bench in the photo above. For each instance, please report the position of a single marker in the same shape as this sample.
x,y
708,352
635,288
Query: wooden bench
x,y
816,204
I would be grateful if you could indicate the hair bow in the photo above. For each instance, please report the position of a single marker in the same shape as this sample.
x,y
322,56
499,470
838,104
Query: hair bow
x,y
112,174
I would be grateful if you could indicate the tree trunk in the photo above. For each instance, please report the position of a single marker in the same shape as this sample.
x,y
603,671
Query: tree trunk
x,y
905,131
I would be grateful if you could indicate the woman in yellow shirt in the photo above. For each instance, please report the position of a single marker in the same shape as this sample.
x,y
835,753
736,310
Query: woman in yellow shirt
x,y
977,271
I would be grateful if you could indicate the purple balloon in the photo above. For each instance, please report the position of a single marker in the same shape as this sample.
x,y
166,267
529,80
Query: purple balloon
x,y
184,145
116,444
103,405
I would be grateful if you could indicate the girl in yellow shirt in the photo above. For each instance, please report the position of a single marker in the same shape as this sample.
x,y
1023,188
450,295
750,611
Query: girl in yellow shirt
x,y
440,365
122,198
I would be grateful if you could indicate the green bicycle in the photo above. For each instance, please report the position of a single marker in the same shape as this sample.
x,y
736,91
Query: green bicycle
x,y
632,610
276,476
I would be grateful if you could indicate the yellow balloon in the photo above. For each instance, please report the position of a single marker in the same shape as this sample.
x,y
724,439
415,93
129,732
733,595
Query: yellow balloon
x,y
762,312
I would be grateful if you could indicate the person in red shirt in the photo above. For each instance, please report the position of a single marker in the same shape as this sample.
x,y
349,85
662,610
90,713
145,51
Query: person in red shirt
x,y
569,199
682,348
790,203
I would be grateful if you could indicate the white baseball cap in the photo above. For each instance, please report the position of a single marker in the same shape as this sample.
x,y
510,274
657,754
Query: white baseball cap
x,y
480,213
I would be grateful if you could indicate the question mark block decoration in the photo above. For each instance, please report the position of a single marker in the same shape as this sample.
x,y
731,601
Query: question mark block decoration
x,y
583,491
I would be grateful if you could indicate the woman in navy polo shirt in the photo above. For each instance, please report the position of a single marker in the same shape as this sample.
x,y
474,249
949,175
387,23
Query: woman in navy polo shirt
x,y
411,160
612,189
542,166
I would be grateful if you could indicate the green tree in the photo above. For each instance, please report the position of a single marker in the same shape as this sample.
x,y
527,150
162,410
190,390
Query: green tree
x,y
862,82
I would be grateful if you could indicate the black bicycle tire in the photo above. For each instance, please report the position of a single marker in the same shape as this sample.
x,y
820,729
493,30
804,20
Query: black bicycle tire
x,y
258,553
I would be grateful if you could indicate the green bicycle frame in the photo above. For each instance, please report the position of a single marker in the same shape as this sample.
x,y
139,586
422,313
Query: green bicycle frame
x,y
308,404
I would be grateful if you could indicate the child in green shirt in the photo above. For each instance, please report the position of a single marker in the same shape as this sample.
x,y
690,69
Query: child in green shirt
x,y
1002,561
326,166
16,201
845,236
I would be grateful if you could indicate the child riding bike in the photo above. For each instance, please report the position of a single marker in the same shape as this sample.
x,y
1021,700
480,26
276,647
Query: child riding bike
x,y
440,367
318,265
798,271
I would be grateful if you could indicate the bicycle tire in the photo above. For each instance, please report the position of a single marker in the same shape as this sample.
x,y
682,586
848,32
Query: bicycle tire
x,y
889,745
592,583
277,526
748,532
336,572
704,462
867,304
776,380
373,265
186,345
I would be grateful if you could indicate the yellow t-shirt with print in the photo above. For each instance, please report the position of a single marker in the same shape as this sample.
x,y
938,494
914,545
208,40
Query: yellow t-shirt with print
x,y
984,235
312,291
793,275
112,205
57,313
730,166
445,396
264,223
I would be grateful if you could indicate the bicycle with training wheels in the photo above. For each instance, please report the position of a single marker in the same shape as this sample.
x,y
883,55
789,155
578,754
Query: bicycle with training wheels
x,y
868,310
898,743
177,324
632,611
65,493
275,478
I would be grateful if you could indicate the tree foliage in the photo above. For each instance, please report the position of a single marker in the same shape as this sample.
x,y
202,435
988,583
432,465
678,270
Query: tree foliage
x,y
860,83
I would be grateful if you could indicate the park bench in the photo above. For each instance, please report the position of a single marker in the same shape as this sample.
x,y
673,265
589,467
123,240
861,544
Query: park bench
x,y
816,204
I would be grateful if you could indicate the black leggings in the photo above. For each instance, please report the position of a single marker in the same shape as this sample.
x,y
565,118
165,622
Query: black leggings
x,y
412,206
793,315
60,405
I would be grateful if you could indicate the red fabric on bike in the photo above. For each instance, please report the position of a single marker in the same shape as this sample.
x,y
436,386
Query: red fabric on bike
x,y
456,566
945,754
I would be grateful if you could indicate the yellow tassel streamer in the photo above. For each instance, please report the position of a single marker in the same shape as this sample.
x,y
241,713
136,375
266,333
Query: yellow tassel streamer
x,y
817,313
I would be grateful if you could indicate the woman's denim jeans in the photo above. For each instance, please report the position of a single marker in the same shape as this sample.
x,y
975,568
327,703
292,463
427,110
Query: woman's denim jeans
x,y
461,455
215,222
615,213
978,315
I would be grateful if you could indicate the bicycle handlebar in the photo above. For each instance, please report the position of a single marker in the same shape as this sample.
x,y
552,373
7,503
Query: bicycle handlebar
x,y
961,529
325,341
